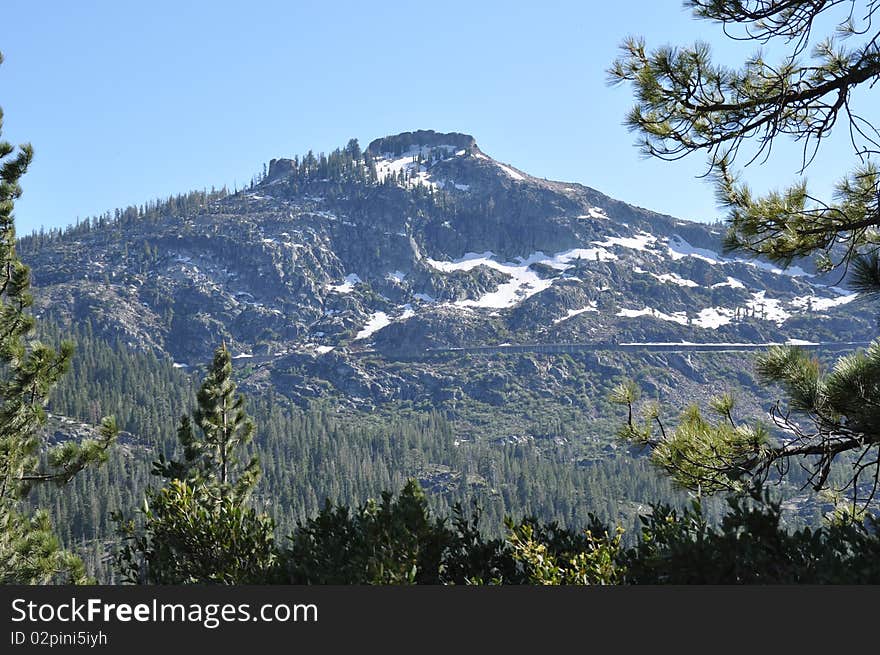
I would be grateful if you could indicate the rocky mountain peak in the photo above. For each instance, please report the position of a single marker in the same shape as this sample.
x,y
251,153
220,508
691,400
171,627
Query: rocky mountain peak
x,y
427,243
400,143
279,168
420,142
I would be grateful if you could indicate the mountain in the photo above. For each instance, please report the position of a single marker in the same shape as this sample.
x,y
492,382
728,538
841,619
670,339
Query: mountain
x,y
414,309
371,276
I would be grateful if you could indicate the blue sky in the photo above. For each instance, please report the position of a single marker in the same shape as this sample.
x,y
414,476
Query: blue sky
x,y
125,102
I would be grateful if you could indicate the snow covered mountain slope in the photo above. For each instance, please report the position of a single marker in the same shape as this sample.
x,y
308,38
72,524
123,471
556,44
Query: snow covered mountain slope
x,y
422,241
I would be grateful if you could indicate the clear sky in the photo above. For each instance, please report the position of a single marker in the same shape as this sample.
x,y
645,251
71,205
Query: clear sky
x,y
125,102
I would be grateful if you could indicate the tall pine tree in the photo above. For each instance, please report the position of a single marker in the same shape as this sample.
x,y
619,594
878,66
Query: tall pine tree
x,y
30,553
212,456
198,528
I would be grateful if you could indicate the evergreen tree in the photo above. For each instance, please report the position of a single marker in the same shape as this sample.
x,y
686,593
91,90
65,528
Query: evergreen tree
x,y
197,527
685,103
213,456
353,149
29,551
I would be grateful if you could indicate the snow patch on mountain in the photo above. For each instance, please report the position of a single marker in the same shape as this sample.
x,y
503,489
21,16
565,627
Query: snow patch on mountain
x,y
712,318
678,248
397,276
523,284
512,173
465,263
348,285
709,318
379,320
791,271
672,278
820,304
577,312
769,309
524,281
388,164
676,317
640,241
731,282
375,323
564,260
758,306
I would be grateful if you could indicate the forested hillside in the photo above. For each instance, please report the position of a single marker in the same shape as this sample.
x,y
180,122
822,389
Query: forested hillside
x,y
311,455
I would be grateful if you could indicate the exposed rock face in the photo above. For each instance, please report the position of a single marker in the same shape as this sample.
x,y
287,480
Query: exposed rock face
x,y
404,141
428,243
279,168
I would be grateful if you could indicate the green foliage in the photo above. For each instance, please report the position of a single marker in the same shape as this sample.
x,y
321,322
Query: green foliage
x,y
865,275
597,564
699,454
192,536
393,541
307,455
784,225
685,103
197,528
212,457
29,370
397,541
829,413
30,552
750,546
